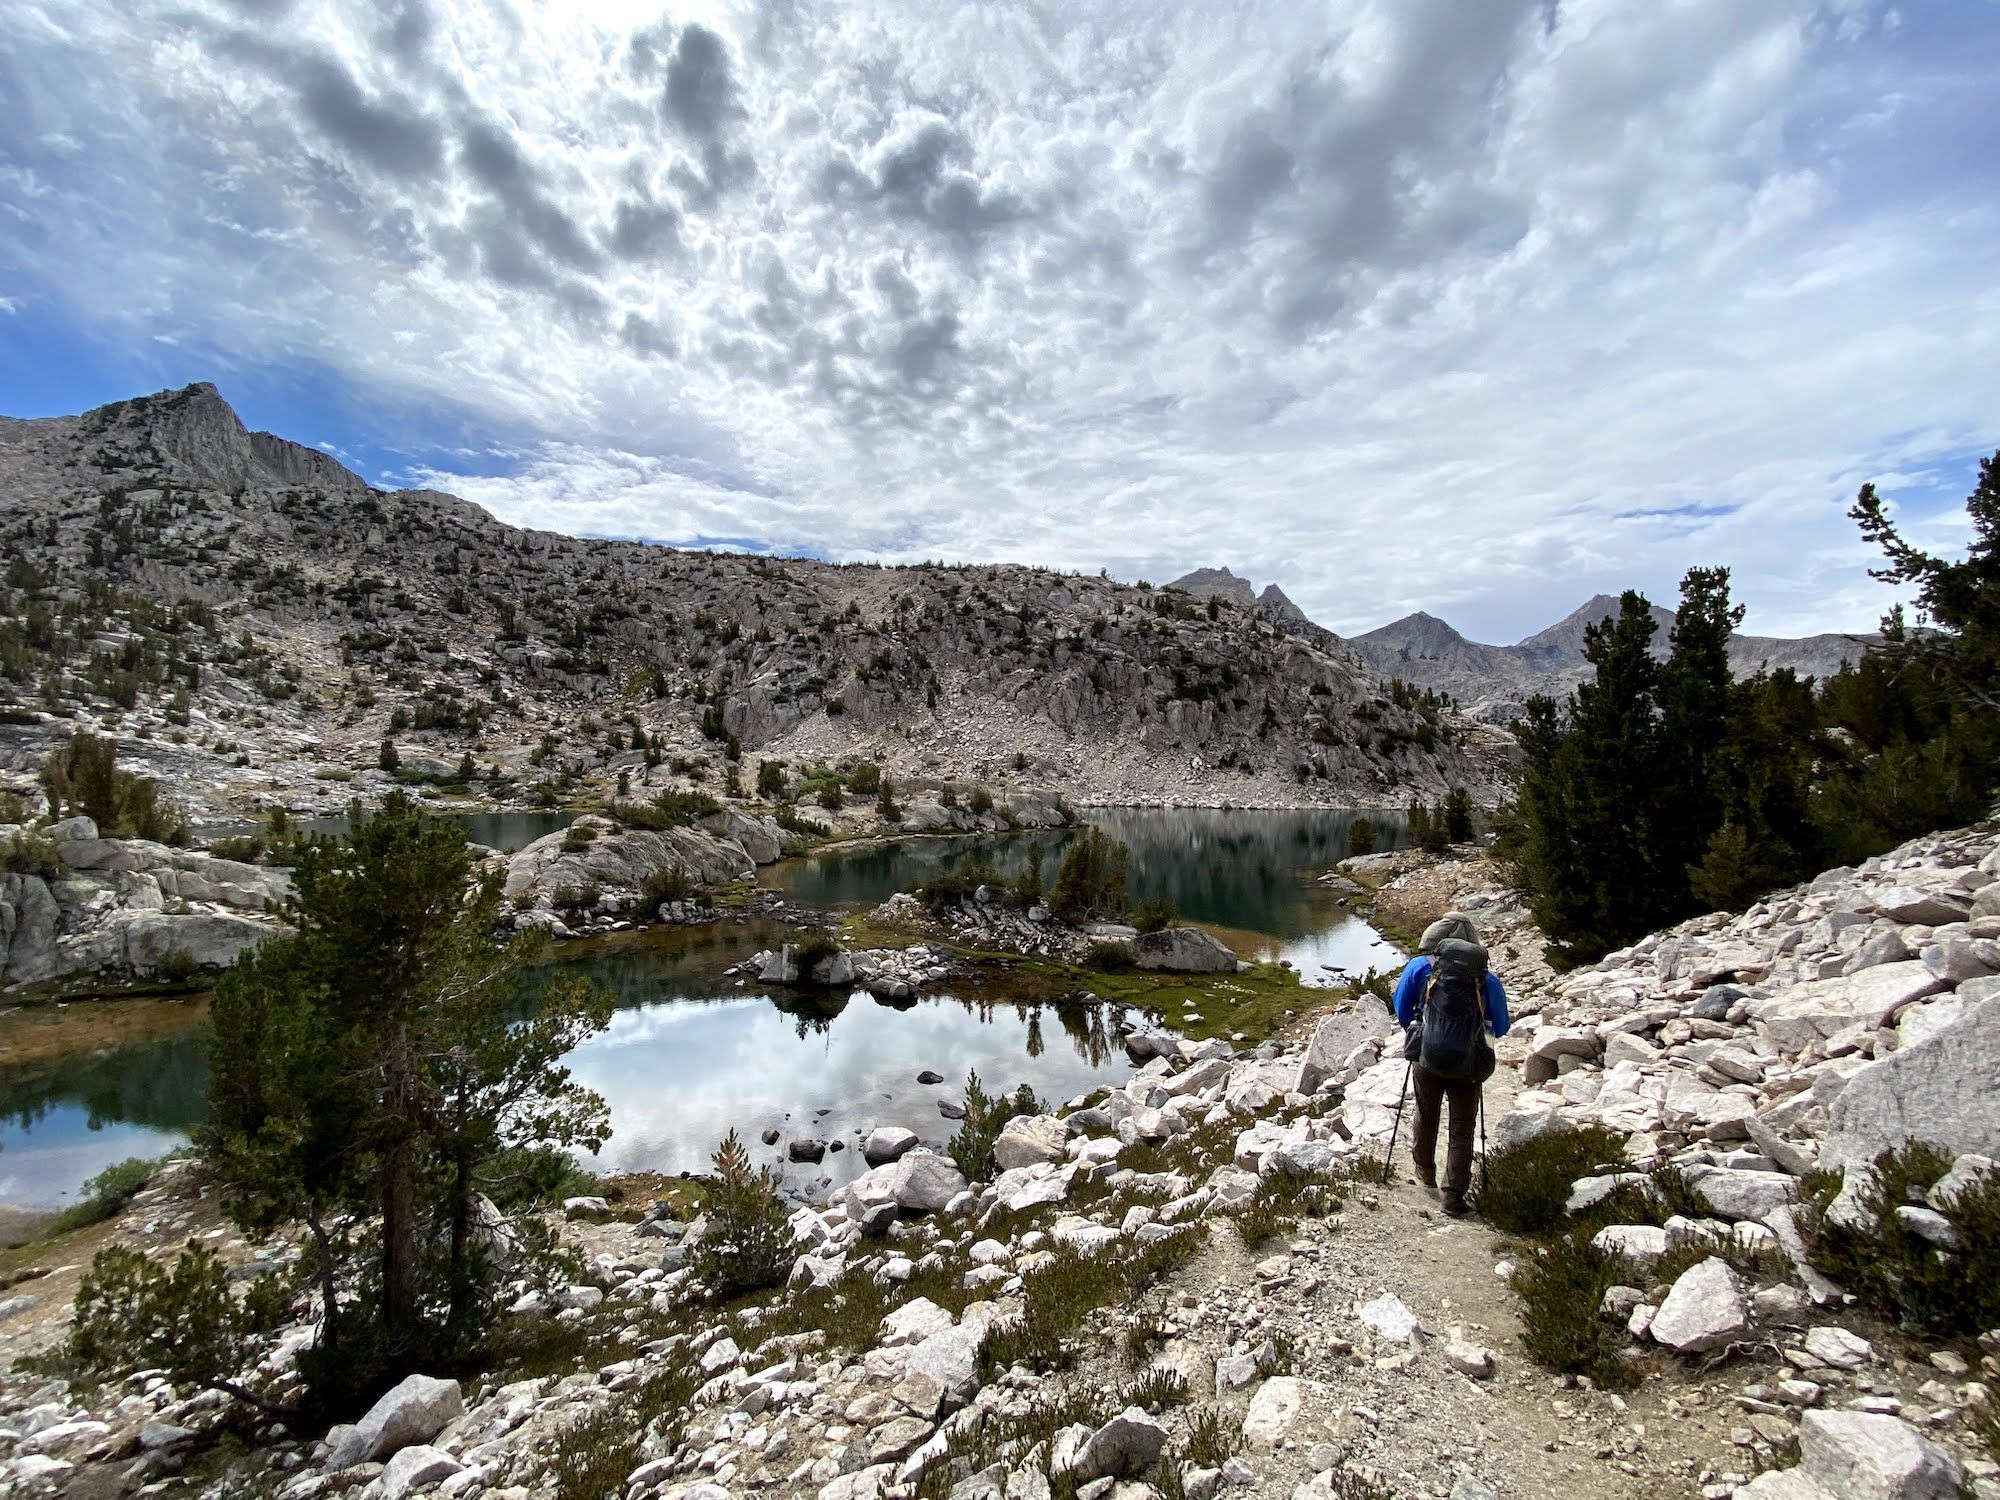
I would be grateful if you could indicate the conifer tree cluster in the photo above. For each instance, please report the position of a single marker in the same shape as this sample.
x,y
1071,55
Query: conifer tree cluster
x,y
1663,787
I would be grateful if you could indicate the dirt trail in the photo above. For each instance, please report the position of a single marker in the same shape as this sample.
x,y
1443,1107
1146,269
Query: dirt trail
x,y
1403,1411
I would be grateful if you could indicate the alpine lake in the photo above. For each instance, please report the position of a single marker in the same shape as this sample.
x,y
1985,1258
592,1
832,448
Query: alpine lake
x,y
692,1052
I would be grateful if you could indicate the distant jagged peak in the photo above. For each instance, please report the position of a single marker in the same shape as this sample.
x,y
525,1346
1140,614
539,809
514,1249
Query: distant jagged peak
x,y
1275,601
193,436
1566,635
1418,623
1216,583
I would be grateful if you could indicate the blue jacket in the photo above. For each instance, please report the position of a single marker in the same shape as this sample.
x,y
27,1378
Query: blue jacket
x,y
1410,992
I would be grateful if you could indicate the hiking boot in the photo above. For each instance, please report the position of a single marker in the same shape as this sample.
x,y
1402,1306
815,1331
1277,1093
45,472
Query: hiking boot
x,y
1454,1205
1429,1180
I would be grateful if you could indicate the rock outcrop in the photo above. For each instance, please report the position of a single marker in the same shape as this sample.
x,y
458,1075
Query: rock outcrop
x,y
112,909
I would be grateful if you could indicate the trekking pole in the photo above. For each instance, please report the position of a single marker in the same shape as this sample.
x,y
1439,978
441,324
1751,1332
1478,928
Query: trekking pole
x,y
1398,1122
1482,1137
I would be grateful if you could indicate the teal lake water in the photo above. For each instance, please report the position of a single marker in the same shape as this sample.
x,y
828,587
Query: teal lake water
x,y
692,1052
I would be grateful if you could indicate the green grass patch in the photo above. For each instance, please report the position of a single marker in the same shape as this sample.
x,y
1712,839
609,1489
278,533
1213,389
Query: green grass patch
x,y
104,1195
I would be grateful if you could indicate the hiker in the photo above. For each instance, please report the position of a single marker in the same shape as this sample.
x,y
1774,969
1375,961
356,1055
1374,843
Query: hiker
x,y
1447,1002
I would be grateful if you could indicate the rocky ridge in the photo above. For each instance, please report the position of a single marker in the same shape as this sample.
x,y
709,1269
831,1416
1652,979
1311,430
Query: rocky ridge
x,y
255,620
1494,682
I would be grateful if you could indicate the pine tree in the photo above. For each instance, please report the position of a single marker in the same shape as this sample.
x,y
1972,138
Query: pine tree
x,y
1696,710
747,1243
1588,790
1457,816
365,1071
1090,881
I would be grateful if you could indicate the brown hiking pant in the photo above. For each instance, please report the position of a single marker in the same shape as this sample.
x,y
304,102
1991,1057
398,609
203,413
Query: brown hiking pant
x,y
1432,1091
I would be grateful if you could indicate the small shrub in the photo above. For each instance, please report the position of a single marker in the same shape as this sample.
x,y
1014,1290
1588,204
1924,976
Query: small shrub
x,y
671,808
865,779
1985,1420
662,886
1212,1439
26,853
1157,1390
577,838
1090,881
813,949
1526,1187
789,819
1360,837
1059,1298
525,1178
1561,1285
972,1147
981,801
748,1244
1897,1272
1283,1198
176,966
958,884
1111,958
104,1194
183,1320
1155,913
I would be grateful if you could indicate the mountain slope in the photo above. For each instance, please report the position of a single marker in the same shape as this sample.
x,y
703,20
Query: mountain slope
x,y
254,620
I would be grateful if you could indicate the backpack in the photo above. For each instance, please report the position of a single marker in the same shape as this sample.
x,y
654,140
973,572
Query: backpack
x,y
1448,1036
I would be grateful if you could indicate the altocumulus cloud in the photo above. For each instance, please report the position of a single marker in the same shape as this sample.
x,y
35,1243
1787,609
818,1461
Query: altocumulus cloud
x,y
1410,304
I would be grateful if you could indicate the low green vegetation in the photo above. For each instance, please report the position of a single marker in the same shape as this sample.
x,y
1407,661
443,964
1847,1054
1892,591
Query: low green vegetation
x,y
104,1195
1060,1295
1894,1270
971,1148
29,853
962,881
670,808
1283,1198
814,948
1561,1284
1561,1275
1090,881
661,886
1523,1189
82,779
591,1455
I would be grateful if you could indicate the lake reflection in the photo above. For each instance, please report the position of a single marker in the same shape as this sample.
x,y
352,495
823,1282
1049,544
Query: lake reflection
x,y
678,1076
689,1053
692,1051
1238,868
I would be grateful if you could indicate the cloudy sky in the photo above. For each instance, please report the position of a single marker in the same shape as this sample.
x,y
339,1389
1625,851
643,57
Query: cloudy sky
x,y
1473,307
